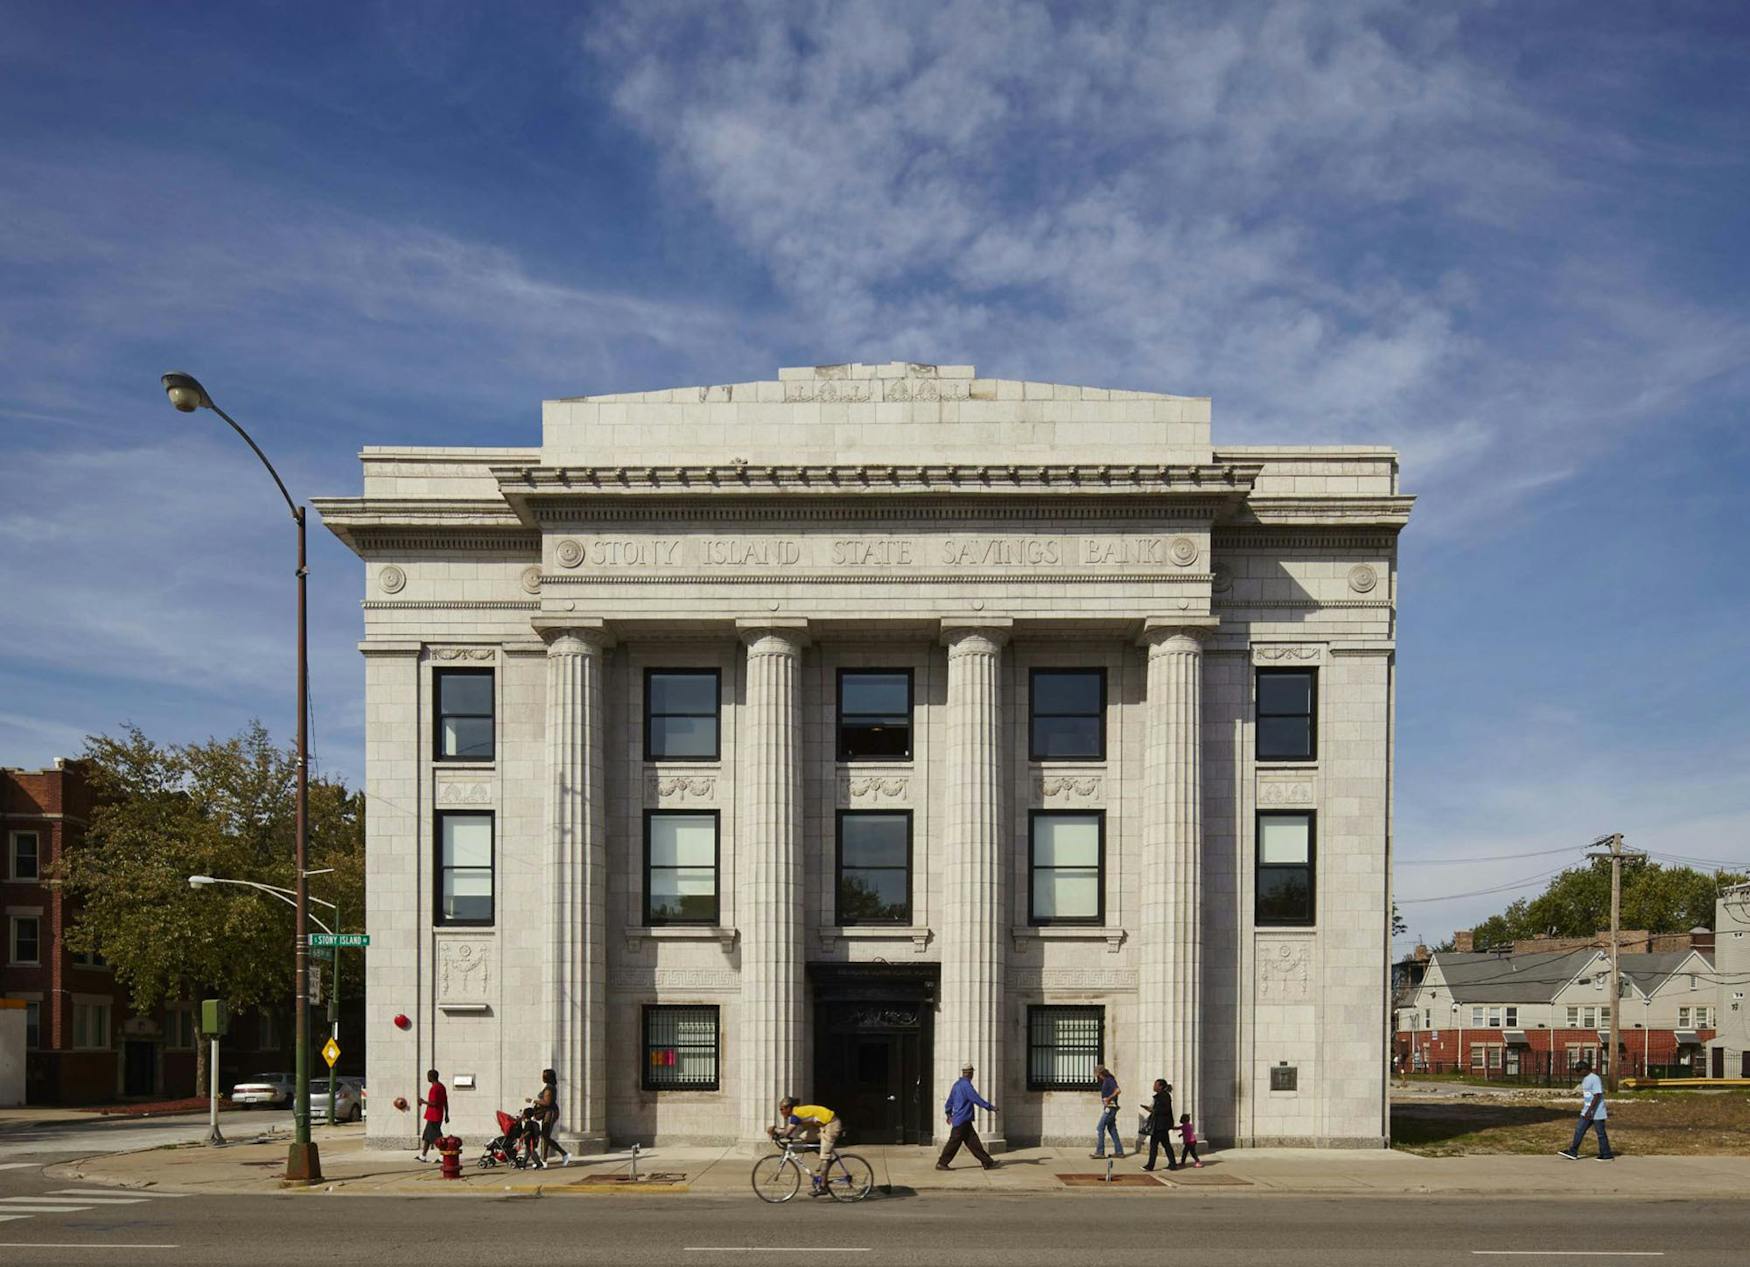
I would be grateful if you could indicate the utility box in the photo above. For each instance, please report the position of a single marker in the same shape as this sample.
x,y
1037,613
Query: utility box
x,y
215,1018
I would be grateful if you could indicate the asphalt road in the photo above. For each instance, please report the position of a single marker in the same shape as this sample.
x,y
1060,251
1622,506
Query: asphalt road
x,y
44,1220
86,1137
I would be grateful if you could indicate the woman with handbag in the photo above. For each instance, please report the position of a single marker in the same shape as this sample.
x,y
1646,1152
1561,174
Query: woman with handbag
x,y
1160,1121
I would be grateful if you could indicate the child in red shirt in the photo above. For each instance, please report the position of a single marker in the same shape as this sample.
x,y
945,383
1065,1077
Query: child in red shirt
x,y
1188,1134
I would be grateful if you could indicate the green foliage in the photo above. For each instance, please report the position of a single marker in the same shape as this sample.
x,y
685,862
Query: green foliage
x,y
1398,925
1656,898
221,808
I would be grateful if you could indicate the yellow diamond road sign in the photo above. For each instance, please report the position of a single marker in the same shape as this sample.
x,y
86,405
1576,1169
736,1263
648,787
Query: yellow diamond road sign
x,y
331,1052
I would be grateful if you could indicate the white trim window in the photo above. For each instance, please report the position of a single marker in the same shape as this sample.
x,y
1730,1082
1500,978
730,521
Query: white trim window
x,y
1682,1018
1494,1018
26,941
24,856
1573,1017
1476,1017
91,1026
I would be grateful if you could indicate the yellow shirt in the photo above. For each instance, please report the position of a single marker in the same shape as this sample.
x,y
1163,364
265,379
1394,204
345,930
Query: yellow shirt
x,y
815,1113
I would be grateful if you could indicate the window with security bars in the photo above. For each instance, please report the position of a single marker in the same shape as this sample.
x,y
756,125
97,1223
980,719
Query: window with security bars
x,y
680,1048
1064,1047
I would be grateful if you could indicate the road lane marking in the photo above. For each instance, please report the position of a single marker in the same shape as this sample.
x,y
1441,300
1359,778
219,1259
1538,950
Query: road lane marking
x,y
87,1197
777,1249
14,1205
1570,1253
136,1194
16,1165
7,1218
78,1245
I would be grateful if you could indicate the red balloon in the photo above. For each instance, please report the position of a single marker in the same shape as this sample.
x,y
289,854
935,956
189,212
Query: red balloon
x,y
401,1021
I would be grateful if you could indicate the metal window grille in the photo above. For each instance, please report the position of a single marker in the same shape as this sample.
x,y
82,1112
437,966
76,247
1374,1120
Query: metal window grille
x,y
680,1048
1064,1047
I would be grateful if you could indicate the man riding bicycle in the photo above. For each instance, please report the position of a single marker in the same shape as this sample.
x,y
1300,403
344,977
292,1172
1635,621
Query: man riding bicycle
x,y
814,1123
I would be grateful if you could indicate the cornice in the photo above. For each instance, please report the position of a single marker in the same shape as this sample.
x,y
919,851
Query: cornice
x,y
476,520
878,479
1335,510
1232,537
920,512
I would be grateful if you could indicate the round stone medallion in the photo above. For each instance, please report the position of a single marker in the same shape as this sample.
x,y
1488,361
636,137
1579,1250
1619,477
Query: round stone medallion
x,y
1221,578
569,553
531,580
1362,578
1182,551
392,579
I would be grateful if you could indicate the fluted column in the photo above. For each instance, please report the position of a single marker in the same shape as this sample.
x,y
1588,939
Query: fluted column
x,y
1169,989
974,918
575,959
768,900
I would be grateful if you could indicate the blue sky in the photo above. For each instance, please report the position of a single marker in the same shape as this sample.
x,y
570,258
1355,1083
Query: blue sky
x,y
1508,239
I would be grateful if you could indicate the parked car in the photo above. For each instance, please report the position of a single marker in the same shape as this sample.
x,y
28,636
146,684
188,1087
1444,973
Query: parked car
x,y
349,1105
271,1089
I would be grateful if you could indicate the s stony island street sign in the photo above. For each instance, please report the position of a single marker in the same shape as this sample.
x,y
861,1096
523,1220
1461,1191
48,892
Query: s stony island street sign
x,y
355,940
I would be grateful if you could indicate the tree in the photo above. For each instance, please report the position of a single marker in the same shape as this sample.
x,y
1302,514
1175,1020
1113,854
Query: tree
x,y
1576,903
1398,926
222,808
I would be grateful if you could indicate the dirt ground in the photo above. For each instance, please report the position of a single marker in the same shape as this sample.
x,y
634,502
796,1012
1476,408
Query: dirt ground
x,y
1676,1122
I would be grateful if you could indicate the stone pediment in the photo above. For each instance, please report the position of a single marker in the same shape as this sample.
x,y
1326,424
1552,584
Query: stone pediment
x,y
856,414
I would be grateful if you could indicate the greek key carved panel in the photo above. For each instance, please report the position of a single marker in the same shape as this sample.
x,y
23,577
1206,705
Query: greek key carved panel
x,y
678,980
1088,979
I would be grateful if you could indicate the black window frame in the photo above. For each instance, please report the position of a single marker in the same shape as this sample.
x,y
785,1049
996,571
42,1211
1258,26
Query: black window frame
x,y
36,853
1040,1011
651,1009
695,670
1312,713
1033,714
438,714
839,868
36,941
839,714
716,919
1259,866
1074,921
439,919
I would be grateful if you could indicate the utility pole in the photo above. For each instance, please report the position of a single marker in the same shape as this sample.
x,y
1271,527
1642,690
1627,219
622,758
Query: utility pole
x,y
1612,847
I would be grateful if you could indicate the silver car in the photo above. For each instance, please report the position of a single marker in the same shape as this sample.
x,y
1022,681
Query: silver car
x,y
271,1089
349,1099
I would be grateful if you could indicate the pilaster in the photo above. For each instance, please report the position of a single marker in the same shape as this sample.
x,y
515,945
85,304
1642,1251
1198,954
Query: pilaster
x,y
575,964
972,1024
1170,985
769,861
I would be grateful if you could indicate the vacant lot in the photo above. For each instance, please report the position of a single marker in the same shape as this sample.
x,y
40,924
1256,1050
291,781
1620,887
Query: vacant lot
x,y
1648,1122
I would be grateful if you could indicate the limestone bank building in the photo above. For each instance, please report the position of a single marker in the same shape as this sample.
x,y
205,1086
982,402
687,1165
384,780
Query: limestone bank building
x,y
822,733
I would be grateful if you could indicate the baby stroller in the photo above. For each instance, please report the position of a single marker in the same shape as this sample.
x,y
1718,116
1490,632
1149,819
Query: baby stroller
x,y
510,1146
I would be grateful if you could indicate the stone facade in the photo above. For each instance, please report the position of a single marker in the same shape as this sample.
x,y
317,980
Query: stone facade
x,y
964,532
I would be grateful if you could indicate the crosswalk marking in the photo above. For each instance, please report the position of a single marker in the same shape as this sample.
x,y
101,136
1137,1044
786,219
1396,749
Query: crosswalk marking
x,y
17,1165
121,1194
7,1218
9,1206
105,1199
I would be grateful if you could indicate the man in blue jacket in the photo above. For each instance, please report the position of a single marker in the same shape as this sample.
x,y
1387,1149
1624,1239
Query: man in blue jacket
x,y
962,1100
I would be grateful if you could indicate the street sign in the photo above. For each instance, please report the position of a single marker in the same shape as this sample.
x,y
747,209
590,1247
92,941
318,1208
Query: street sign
x,y
331,1052
357,941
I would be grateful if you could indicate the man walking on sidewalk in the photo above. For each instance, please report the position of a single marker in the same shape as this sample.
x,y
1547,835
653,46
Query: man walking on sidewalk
x,y
962,1100
1593,1115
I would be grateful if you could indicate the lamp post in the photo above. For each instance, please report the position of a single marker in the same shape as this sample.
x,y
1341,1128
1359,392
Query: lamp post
x,y
303,1165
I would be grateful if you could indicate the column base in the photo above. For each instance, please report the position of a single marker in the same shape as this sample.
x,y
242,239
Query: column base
x,y
584,1145
303,1164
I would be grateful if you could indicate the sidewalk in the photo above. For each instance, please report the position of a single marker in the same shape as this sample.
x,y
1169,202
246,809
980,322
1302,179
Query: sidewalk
x,y
350,1168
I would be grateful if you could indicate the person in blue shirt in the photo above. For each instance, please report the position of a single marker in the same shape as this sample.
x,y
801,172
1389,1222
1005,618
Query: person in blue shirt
x,y
1593,1115
1108,1121
963,1098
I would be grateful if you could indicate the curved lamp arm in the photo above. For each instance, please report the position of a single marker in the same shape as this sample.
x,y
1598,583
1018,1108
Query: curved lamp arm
x,y
284,895
187,395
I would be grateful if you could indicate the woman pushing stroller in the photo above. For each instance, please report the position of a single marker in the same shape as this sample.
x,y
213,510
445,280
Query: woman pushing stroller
x,y
543,1116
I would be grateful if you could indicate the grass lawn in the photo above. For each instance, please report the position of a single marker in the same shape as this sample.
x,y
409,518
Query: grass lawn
x,y
1647,1122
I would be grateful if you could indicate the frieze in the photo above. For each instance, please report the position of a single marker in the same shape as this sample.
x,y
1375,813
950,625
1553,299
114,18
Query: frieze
x,y
1286,653
680,787
462,653
456,793
1285,971
874,787
1069,787
676,980
1285,792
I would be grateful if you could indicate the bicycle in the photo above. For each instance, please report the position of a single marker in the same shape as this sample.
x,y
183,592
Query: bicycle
x,y
778,1178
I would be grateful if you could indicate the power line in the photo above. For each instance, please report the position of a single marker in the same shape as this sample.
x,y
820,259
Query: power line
x,y
1499,857
1499,888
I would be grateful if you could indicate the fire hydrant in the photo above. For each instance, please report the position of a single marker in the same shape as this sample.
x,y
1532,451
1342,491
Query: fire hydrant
x,y
450,1149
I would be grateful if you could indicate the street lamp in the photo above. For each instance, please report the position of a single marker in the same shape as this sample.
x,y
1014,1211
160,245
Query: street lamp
x,y
303,1165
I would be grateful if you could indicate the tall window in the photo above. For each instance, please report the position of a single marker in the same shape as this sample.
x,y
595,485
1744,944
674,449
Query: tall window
x,y
1573,1017
1068,714
1287,707
874,714
26,944
26,862
1285,869
464,714
874,868
1068,864
90,1026
1064,1047
1476,1017
680,868
680,1048
464,867
33,1025
680,715
1512,1017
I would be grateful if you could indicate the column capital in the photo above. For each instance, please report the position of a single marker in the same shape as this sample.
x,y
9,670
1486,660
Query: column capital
x,y
773,635
1162,634
572,635
976,635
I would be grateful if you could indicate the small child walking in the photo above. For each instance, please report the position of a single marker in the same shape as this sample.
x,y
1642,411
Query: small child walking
x,y
1188,1136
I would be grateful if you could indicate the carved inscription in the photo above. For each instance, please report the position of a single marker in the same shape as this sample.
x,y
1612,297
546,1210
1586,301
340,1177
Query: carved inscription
x,y
876,552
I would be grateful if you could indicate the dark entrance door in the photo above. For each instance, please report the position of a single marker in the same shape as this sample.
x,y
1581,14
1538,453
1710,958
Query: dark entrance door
x,y
1719,1062
139,1068
872,1049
